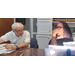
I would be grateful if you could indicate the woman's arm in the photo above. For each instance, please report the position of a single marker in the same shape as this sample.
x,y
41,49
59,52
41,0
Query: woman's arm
x,y
53,41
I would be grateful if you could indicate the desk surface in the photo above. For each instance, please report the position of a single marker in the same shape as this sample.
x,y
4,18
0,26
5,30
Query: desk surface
x,y
26,52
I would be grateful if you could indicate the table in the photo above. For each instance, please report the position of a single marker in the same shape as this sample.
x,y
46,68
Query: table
x,y
26,52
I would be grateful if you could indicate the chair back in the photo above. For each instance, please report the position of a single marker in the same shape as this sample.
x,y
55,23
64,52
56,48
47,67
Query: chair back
x,y
33,43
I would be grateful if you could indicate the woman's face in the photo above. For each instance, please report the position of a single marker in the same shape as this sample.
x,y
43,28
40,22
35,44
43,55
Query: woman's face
x,y
60,28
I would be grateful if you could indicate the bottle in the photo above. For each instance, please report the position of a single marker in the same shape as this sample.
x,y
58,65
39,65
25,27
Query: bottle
x,y
68,52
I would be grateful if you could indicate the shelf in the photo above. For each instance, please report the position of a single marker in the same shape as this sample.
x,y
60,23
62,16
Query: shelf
x,y
66,22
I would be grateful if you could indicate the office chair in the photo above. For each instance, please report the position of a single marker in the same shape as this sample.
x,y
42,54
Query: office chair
x,y
33,43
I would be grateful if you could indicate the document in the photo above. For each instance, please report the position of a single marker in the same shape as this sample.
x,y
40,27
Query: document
x,y
4,50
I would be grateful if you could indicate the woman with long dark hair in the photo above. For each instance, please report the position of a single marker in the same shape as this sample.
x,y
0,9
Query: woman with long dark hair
x,y
61,34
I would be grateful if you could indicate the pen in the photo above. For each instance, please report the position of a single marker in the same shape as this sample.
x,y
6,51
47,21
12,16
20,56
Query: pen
x,y
22,54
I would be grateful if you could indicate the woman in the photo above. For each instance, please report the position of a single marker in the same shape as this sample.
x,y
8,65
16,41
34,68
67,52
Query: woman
x,y
61,34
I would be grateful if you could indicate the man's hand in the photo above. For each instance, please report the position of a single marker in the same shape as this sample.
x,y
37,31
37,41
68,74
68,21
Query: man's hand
x,y
10,46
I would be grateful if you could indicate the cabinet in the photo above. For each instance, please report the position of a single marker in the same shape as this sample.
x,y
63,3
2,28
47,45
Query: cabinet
x,y
44,32
43,40
44,25
5,25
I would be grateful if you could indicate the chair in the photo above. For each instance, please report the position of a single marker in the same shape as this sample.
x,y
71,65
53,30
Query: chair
x,y
33,43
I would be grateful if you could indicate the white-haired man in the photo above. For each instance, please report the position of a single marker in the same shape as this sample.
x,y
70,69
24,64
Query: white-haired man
x,y
17,36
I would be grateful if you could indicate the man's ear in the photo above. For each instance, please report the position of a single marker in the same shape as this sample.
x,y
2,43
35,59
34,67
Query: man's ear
x,y
13,30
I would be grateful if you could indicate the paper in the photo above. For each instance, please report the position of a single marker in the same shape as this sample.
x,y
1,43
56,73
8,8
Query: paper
x,y
4,50
53,50
71,44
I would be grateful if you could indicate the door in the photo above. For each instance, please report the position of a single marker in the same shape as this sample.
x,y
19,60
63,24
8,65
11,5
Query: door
x,y
5,25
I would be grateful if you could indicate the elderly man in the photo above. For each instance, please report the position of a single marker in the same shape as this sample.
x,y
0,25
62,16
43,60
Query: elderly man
x,y
17,36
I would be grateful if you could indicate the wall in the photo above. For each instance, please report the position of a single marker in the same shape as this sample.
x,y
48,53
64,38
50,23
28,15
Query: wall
x,y
27,25
34,25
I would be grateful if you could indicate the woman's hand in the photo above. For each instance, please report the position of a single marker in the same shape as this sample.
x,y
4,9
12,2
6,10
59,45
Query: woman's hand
x,y
53,41
54,32
10,46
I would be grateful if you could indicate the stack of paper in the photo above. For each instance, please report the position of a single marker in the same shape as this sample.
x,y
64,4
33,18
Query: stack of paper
x,y
4,50
71,44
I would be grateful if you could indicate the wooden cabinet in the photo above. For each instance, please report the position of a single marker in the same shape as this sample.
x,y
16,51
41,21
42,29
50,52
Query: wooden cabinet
x,y
5,25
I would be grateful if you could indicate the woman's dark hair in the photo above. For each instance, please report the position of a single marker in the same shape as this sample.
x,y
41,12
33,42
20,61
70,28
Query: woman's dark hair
x,y
66,27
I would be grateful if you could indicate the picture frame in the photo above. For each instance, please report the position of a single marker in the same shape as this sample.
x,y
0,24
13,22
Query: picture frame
x,y
21,20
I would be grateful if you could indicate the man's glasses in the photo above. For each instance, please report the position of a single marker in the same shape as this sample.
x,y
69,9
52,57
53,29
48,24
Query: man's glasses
x,y
59,27
19,30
